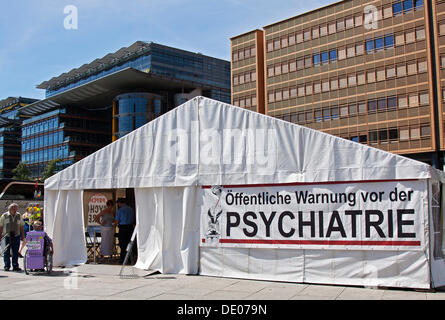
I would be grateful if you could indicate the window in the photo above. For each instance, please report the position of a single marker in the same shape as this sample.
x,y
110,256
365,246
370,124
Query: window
x,y
387,12
422,66
383,135
340,25
325,86
418,3
325,57
352,80
350,52
397,8
371,76
410,36
293,92
309,116
392,103
361,79
333,55
315,33
393,133
379,43
318,115
425,131
401,70
323,30
342,54
403,102
270,71
359,49
372,105
247,77
308,89
352,109
334,112
415,133
349,22
424,98
404,135
381,74
300,64
271,97
276,44
343,82
358,20
400,39
344,111
369,46
292,66
316,59
326,114
420,34
299,37
413,100
317,87
332,28
278,95
235,56
412,67
407,5
247,53
307,35
235,80
381,104
301,91
362,107
307,62
373,136
284,43
285,68
291,39
389,41
285,94
391,72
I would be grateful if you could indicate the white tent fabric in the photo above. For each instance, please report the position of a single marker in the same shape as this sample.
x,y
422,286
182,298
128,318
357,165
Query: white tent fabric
x,y
201,143
206,142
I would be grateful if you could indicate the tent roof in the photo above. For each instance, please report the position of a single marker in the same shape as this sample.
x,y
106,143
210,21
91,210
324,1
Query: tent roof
x,y
207,142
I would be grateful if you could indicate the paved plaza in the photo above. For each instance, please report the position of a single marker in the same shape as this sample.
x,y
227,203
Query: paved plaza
x,y
102,282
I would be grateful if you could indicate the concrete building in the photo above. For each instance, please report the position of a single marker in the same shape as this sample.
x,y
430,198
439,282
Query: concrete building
x,y
368,71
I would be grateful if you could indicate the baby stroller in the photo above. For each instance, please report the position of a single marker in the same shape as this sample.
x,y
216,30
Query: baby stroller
x,y
38,256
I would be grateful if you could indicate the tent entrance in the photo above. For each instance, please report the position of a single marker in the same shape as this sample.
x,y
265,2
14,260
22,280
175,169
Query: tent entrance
x,y
94,201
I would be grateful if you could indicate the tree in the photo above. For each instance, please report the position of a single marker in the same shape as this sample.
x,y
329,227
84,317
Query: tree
x,y
50,169
22,172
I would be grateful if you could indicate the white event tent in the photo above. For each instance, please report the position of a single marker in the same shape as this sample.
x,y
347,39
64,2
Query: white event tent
x,y
275,186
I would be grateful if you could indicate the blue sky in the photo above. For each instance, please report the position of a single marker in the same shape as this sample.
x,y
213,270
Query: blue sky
x,y
35,46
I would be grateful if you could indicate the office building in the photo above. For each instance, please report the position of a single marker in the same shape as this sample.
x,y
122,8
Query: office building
x,y
10,133
88,107
368,71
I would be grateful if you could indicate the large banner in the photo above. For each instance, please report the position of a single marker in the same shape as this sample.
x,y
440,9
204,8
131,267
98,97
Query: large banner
x,y
361,216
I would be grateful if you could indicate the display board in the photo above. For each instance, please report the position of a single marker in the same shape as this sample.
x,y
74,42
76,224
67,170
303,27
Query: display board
x,y
380,215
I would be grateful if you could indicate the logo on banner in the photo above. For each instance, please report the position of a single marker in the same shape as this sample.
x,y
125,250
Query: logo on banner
x,y
214,213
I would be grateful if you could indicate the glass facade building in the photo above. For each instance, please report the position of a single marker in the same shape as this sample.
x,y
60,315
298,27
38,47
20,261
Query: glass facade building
x,y
90,106
66,135
133,110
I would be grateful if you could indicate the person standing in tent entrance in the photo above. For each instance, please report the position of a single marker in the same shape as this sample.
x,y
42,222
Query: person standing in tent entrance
x,y
125,219
12,227
106,219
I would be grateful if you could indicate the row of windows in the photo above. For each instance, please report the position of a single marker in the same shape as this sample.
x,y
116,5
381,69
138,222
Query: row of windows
x,y
43,141
342,24
245,102
46,155
40,127
329,113
393,135
350,80
244,53
246,77
349,51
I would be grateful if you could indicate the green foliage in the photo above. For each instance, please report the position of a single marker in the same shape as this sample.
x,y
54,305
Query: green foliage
x,y
22,172
50,169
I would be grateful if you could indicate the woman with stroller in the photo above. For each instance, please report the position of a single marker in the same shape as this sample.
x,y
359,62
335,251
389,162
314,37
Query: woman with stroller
x,y
105,218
